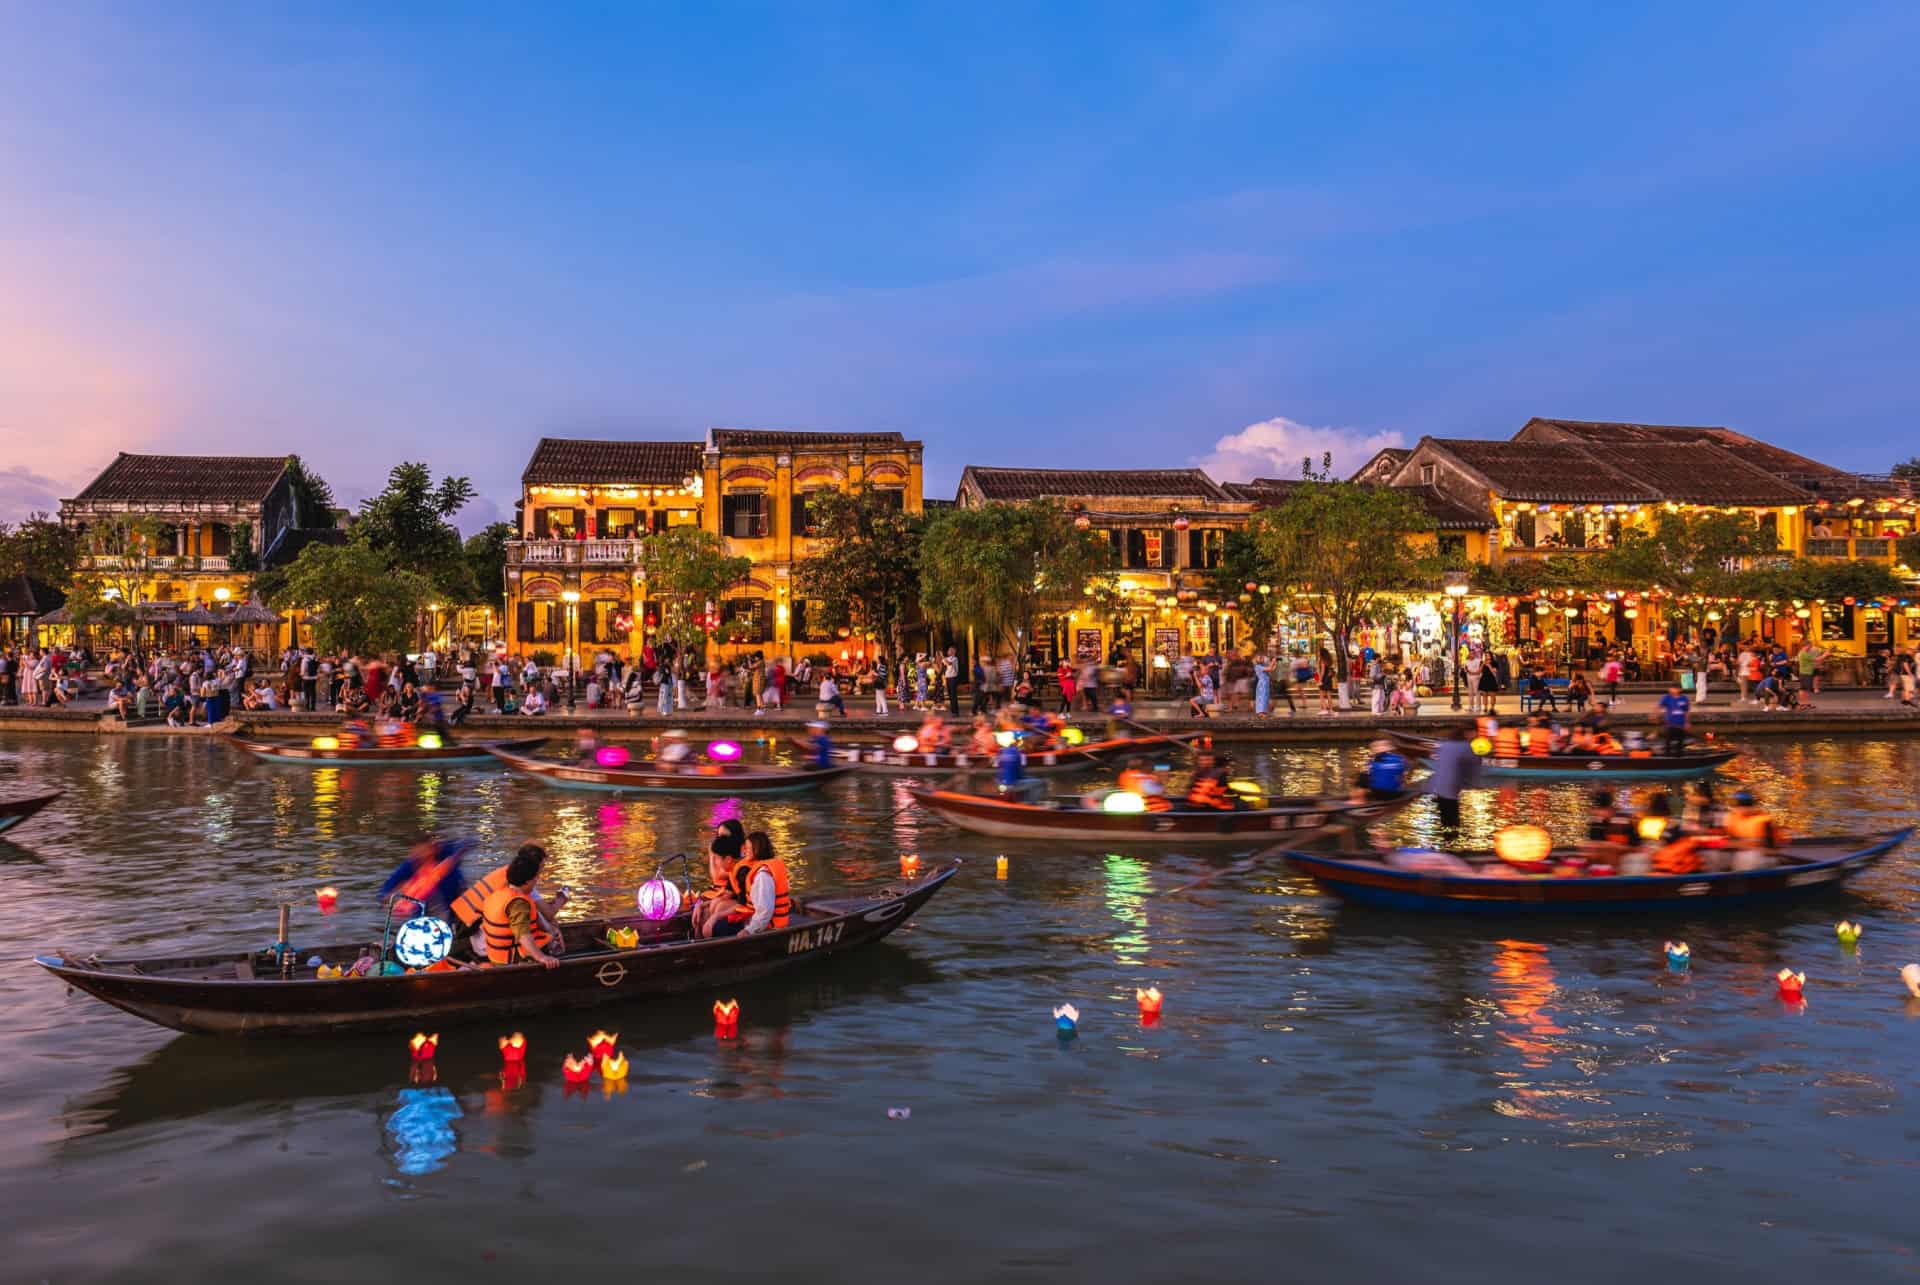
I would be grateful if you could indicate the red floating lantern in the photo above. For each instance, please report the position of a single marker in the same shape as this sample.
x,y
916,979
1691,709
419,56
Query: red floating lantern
x,y
513,1050
909,865
1793,985
600,1043
726,1017
326,898
424,1046
577,1070
512,1076
1149,1001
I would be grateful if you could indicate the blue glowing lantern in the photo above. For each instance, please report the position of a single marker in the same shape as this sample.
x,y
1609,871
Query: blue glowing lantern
x,y
422,941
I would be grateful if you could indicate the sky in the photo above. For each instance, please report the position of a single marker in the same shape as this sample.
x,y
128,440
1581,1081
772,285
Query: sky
x,y
1070,235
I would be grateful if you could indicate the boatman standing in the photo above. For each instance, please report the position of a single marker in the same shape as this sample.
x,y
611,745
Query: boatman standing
x,y
1676,718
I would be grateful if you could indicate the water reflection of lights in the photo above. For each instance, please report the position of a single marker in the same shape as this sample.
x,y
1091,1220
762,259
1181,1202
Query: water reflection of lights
x,y
421,1130
326,802
1523,986
1127,889
217,817
428,794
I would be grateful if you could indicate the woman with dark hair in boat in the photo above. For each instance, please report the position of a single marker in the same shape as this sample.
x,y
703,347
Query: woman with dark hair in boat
x,y
762,886
511,928
718,911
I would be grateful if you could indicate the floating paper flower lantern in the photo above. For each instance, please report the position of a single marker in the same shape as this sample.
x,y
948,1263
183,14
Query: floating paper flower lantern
x,y
1073,736
428,741
1524,846
659,898
602,1043
726,1017
1848,933
1000,868
1792,985
723,751
329,972
1148,1000
614,1068
1066,1019
422,941
1480,745
326,898
909,865
577,1070
326,742
612,756
1124,802
1651,828
424,1046
513,1050
623,938
1911,976
1678,956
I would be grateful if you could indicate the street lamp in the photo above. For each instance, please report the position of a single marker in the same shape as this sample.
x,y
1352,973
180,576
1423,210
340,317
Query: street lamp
x,y
572,598
1456,587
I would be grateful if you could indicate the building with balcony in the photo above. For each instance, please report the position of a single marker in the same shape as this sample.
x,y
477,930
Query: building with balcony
x,y
587,506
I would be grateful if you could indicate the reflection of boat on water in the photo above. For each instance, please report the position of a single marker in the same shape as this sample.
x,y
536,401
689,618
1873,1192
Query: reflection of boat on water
x,y
196,1075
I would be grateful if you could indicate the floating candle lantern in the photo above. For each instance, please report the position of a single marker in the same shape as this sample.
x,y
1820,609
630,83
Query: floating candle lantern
x,y
909,865
1066,1019
1149,1001
513,1050
623,938
428,741
1848,933
601,1043
576,1070
330,972
1678,956
424,1046
614,1068
726,1017
1911,976
1792,985
326,898
1000,868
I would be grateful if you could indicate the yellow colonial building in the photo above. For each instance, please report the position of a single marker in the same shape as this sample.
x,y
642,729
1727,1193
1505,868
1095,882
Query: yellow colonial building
x,y
586,507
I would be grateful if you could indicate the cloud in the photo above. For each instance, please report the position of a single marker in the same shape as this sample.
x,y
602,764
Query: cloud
x,y
1275,447
24,492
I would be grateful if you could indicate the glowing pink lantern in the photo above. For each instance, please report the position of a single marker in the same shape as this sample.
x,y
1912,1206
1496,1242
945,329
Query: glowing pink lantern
x,y
659,898
611,756
723,751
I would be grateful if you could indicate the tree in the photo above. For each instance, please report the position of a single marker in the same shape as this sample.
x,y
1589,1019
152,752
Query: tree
x,y
364,606
687,568
40,548
120,550
313,498
408,524
865,571
1908,468
1691,555
1339,548
1240,566
992,568
486,557
240,555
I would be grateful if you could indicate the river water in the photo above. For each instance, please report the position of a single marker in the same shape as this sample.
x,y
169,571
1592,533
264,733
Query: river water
x,y
1328,1091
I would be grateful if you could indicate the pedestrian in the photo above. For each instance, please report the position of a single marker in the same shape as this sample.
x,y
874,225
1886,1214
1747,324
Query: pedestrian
x,y
1676,718
881,678
1326,683
950,680
1454,768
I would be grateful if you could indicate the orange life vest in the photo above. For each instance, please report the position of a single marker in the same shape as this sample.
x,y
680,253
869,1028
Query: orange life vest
x,y
743,873
1208,792
1540,741
502,947
1754,827
1680,857
1506,743
424,880
1604,744
469,905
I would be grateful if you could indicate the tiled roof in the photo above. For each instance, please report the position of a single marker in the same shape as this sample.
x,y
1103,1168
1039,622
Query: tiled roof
x,y
573,461
1551,472
1262,490
1700,473
1447,513
186,479
1774,460
1641,467
1143,484
774,439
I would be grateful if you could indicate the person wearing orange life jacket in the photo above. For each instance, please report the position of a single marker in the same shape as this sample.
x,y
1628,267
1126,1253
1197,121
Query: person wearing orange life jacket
x,y
1506,741
470,905
1139,779
1752,833
1539,737
510,925
1209,786
429,880
762,887
716,908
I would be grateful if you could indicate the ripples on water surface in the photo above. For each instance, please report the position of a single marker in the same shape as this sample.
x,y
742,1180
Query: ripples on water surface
x,y
1328,1091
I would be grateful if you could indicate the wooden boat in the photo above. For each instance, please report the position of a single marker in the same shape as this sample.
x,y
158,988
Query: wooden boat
x,y
1072,821
12,814
304,752
242,993
1807,866
644,776
887,761
1602,766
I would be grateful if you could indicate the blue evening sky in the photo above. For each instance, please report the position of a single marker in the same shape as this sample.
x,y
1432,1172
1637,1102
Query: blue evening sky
x,y
1048,234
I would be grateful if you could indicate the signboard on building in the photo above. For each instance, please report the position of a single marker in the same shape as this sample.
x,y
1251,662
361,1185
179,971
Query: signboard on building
x,y
1086,645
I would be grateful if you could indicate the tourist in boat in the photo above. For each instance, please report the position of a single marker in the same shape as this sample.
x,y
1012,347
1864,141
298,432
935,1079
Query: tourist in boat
x,y
1208,790
762,887
981,740
1506,740
1140,779
1752,833
933,735
716,912
819,744
429,880
1010,768
1702,811
1540,736
511,927
1608,825
1386,773
470,906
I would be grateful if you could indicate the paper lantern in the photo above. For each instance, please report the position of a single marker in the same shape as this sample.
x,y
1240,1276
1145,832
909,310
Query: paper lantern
x,y
1000,868
905,743
726,1018
422,941
1181,523
602,1043
623,938
1066,1019
1148,1000
611,756
329,973
424,1046
909,865
577,1070
1004,739
1480,745
723,751
1073,736
1124,802
1849,934
1792,985
1678,956
326,742
1082,522
428,741
1540,608
326,898
1524,846
1651,828
1911,976
513,1049
614,1068
659,898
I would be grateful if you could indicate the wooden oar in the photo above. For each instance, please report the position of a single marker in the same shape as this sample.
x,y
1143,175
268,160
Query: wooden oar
x,y
1159,735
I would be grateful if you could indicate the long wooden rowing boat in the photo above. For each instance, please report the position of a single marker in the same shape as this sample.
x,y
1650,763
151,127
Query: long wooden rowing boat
x,y
1806,866
242,993
651,777
1073,821
306,753
1055,759
1602,766
12,814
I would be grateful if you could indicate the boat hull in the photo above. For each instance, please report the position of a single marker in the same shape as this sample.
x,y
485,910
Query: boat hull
x,y
1005,818
1366,884
697,779
376,756
1593,767
887,761
272,1007
12,814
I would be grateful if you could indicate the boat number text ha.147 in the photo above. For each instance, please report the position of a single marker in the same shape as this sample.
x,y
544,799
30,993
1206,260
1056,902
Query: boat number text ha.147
x,y
809,938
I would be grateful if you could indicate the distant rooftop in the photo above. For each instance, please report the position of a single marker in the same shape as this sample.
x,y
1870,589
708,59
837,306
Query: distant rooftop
x,y
1008,484
784,439
161,480
574,461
